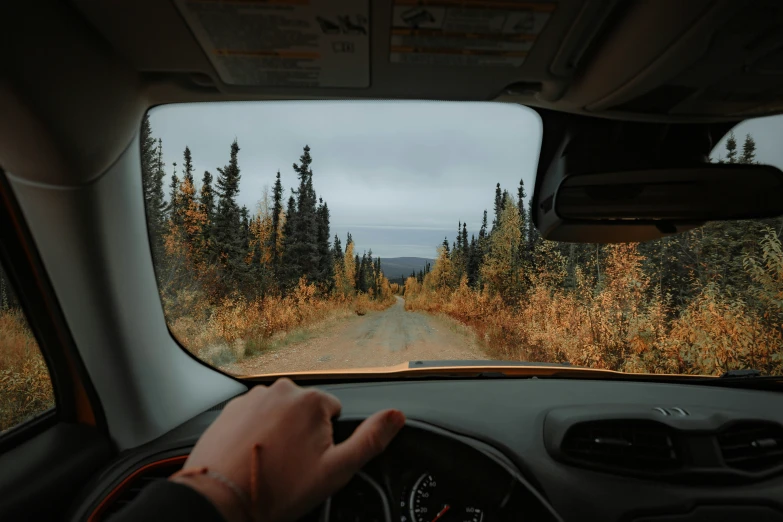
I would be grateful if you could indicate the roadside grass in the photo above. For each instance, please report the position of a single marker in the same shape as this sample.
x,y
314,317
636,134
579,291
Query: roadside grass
x,y
234,332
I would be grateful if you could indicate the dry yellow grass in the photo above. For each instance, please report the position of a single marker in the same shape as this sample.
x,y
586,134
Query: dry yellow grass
x,y
237,328
25,386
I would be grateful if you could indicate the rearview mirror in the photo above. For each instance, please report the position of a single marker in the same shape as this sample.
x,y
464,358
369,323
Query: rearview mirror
x,y
638,205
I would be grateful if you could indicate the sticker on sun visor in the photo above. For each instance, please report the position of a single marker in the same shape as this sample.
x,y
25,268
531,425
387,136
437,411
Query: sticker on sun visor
x,y
291,43
465,32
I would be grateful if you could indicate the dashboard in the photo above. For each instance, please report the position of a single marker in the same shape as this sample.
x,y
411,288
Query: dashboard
x,y
530,449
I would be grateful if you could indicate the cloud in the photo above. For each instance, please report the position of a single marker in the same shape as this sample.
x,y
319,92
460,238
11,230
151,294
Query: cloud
x,y
380,165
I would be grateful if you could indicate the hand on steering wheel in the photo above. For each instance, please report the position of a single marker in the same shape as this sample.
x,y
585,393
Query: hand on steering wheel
x,y
270,455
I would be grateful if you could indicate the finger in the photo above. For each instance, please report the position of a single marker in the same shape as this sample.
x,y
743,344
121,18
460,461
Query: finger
x,y
370,439
332,405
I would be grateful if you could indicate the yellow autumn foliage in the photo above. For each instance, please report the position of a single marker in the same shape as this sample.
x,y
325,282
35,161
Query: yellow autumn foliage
x,y
619,323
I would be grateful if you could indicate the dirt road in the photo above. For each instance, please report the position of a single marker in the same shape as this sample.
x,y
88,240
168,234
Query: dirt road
x,y
382,338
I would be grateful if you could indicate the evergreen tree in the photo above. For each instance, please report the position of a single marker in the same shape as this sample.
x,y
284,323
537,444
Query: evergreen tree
x,y
152,184
174,207
325,273
748,150
337,250
521,196
227,228
245,230
277,208
301,256
498,206
207,196
207,202
357,263
474,262
446,244
465,237
459,236
369,272
483,231
731,148
189,167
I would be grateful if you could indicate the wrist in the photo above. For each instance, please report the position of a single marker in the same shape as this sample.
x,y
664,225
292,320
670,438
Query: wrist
x,y
221,495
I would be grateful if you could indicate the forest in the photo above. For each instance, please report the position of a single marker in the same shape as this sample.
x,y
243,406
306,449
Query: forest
x,y
704,302
235,281
231,280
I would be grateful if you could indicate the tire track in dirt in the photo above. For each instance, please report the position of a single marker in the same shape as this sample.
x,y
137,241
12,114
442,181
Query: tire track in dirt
x,y
385,338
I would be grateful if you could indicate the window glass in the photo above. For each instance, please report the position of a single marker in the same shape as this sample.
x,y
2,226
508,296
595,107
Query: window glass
x,y
25,385
319,236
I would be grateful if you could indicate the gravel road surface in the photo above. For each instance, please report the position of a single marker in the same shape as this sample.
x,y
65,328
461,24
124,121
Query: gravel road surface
x,y
382,338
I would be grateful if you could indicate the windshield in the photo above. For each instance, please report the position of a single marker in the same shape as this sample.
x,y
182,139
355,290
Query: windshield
x,y
320,236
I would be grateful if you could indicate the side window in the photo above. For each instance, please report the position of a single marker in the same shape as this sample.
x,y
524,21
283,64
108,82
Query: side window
x,y
25,385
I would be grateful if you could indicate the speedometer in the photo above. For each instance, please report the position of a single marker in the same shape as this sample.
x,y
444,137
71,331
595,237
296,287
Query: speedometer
x,y
430,503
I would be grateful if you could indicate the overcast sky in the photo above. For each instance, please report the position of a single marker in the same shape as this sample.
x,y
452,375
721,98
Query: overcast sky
x,y
768,135
397,175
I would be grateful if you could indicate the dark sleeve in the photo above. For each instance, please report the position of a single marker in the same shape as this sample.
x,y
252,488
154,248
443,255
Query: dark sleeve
x,y
166,501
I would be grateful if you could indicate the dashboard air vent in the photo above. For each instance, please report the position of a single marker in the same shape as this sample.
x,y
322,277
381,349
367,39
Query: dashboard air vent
x,y
129,489
638,445
752,446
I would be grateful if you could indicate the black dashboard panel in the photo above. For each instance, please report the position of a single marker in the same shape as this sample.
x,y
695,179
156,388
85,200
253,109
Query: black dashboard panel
x,y
508,416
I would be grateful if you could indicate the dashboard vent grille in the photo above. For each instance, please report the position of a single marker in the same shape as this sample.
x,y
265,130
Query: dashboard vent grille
x,y
129,490
639,445
752,446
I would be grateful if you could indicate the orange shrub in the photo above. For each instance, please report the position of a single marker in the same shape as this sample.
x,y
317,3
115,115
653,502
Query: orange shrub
x,y
25,386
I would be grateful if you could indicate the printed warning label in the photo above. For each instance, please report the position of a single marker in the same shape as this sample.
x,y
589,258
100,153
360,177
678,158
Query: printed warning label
x,y
464,32
298,43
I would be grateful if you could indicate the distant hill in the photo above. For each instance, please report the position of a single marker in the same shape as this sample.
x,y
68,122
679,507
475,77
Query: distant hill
x,y
394,267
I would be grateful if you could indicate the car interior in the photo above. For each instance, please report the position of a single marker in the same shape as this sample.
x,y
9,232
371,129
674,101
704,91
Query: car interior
x,y
631,95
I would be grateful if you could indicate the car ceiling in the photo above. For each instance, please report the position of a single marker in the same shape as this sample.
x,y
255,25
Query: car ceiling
x,y
78,75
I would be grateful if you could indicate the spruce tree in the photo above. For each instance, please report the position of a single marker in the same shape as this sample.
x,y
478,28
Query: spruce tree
x,y
337,250
357,273
188,167
446,244
465,237
207,196
474,262
302,257
288,271
521,195
498,206
362,274
245,230
731,148
748,150
175,199
228,219
277,207
207,202
158,200
152,186
325,273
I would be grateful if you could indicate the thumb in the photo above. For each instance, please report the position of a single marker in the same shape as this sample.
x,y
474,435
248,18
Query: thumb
x,y
367,441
